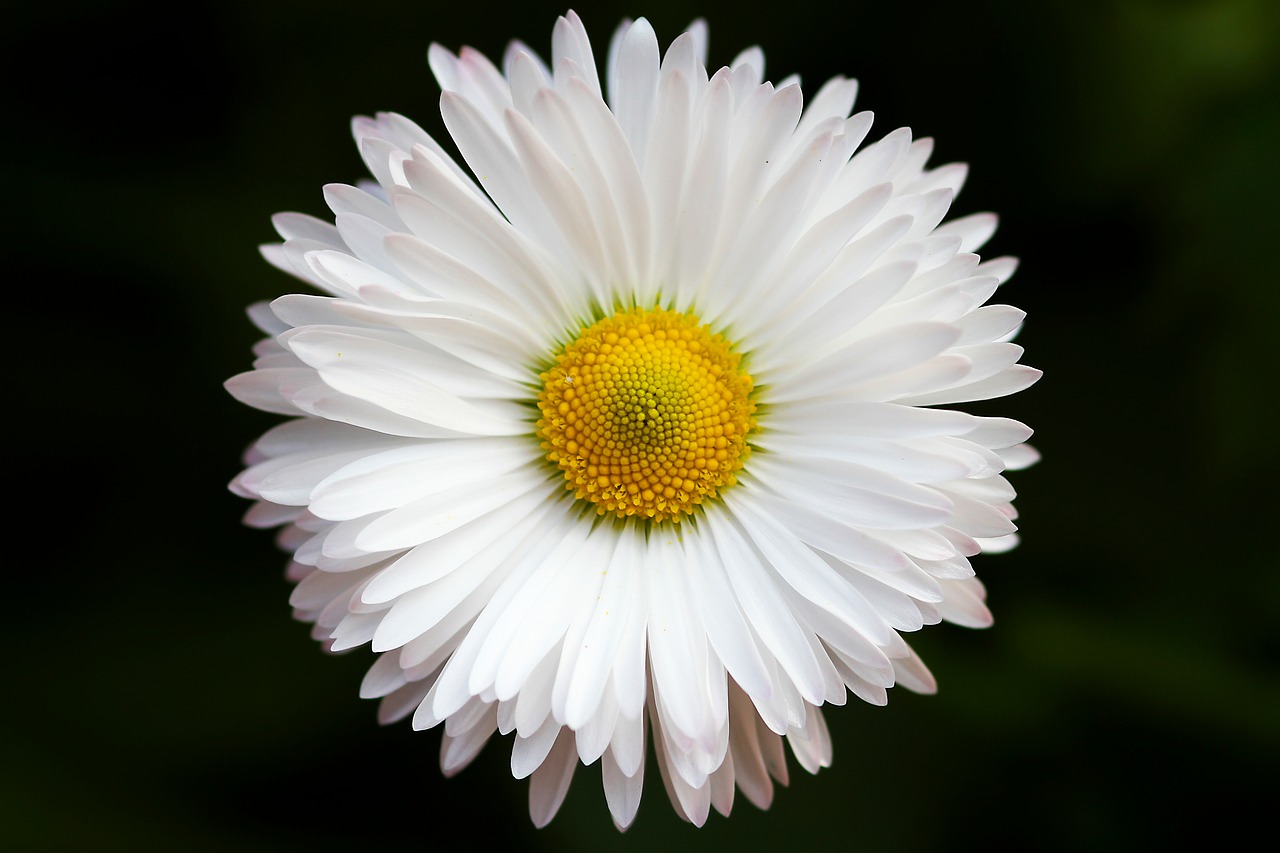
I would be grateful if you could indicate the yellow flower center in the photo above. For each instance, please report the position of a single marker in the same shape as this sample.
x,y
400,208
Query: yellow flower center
x,y
647,414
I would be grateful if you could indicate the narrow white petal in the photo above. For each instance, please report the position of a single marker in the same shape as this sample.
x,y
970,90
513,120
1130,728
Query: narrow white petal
x,y
621,792
550,782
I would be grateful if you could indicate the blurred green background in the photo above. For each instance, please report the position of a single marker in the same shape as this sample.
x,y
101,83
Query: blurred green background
x,y
1128,697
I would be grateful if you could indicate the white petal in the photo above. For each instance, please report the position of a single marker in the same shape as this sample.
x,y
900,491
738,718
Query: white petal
x,y
550,782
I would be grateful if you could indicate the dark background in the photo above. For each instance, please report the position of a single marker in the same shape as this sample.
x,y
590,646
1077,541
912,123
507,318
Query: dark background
x,y
158,692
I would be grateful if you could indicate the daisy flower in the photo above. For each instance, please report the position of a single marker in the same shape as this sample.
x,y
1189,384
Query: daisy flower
x,y
628,435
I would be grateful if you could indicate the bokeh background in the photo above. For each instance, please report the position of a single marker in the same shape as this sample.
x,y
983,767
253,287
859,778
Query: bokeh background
x,y
159,696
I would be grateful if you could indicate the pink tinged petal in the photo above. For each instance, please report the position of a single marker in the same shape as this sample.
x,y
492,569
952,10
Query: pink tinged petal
x,y
383,159
319,589
811,744
898,608
526,73
1002,268
750,771
871,692
390,376
348,200
550,782
260,315
528,753
998,433
978,518
473,76
775,760
990,323
621,792
628,744
1019,457
305,309
396,706
692,763
955,566
426,653
692,804
914,581
384,677
294,255
364,238
460,749
993,489
722,786
593,739
750,61
306,228
266,389
265,514
354,630
999,545
835,692
965,604
914,675
569,41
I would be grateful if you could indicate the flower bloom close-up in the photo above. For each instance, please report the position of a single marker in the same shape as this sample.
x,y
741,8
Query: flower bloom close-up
x,y
627,433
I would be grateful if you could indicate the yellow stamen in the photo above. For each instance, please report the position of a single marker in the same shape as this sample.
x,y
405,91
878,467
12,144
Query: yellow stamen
x,y
647,413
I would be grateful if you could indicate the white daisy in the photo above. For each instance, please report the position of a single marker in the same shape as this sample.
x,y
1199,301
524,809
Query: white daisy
x,y
635,426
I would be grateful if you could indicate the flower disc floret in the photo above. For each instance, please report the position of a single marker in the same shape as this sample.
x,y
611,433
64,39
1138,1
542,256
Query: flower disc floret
x,y
647,413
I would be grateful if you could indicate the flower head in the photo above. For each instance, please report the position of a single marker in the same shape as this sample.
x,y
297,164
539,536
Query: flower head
x,y
637,426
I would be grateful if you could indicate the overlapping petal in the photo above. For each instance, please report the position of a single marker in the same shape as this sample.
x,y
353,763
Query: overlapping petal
x,y
412,491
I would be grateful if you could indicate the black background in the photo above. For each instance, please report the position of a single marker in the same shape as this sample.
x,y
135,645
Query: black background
x,y
158,693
